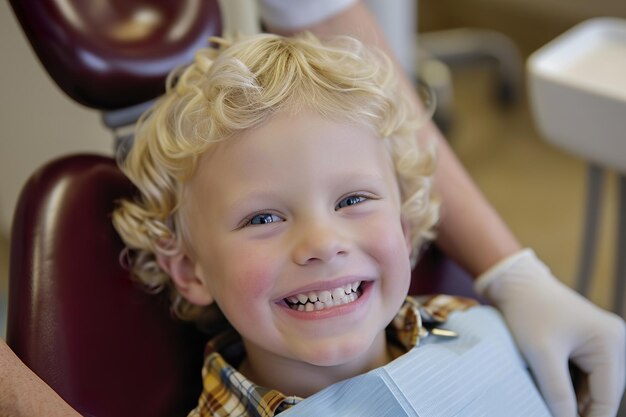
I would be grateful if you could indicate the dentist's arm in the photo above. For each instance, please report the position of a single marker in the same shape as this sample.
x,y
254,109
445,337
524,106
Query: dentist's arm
x,y
24,394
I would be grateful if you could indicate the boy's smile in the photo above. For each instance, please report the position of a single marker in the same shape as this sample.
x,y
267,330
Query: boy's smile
x,y
336,295
297,235
335,300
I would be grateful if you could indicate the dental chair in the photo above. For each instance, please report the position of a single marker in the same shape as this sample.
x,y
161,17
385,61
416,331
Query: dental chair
x,y
76,317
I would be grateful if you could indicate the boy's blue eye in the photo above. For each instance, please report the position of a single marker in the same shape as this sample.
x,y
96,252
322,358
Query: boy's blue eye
x,y
350,201
264,218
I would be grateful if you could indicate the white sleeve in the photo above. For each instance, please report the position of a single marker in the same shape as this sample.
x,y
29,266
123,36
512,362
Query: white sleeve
x,y
295,14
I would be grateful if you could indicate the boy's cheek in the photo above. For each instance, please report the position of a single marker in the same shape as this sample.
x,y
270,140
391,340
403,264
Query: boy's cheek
x,y
256,282
245,293
388,246
386,239
253,275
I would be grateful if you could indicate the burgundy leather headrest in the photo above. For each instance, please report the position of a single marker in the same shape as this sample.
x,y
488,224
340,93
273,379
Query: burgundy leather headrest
x,y
113,54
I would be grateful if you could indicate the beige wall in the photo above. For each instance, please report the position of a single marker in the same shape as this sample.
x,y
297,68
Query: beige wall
x,y
38,122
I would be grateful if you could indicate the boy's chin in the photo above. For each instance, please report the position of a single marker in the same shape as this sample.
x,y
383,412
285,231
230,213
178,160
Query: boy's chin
x,y
353,353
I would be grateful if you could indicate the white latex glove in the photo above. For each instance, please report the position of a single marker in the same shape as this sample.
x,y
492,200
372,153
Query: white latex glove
x,y
553,324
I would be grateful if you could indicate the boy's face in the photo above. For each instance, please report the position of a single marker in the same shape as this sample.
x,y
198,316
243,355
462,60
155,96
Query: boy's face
x,y
298,210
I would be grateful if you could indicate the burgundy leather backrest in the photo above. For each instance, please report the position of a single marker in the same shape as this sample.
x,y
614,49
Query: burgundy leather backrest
x,y
437,274
113,54
76,318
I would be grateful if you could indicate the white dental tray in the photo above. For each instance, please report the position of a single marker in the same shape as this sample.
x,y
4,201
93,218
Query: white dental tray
x,y
577,87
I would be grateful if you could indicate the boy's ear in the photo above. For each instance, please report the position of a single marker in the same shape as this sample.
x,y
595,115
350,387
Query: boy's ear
x,y
182,271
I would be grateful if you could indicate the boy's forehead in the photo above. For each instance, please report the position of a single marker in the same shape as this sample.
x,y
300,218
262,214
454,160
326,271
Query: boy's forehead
x,y
290,142
307,131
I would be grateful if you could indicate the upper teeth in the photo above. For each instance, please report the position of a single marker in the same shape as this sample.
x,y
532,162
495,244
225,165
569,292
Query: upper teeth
x,y
325,298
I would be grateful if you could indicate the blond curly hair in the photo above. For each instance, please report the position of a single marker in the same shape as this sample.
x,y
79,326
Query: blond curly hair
x,y
237,85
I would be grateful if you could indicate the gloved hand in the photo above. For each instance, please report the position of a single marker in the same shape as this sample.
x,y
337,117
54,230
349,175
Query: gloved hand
x,y
553,324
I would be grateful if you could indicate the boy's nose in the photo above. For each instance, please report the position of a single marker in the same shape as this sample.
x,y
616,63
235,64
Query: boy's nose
x,y
318,244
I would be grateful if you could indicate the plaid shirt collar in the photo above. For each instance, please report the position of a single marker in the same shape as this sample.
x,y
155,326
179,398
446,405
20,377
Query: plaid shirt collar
x,y
227,393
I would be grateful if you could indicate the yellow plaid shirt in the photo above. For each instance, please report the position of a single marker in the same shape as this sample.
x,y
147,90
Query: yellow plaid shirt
x,y
227,393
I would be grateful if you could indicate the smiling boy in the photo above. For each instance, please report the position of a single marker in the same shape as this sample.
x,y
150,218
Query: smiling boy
x,y
281,181
306,237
